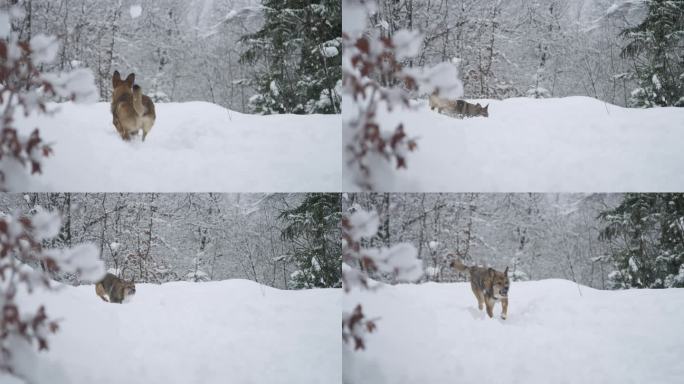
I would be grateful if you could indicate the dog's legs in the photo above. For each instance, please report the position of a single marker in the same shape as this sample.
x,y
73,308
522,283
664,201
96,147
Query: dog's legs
x,y
146,129
478,295
490,306
504,308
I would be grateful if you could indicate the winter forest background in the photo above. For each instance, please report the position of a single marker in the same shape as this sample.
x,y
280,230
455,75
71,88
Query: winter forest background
x,y
605,241
246,55
287,241
628,53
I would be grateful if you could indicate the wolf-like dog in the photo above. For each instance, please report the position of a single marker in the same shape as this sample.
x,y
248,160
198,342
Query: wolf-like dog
x,y
489,286
131,110
459,107
114,290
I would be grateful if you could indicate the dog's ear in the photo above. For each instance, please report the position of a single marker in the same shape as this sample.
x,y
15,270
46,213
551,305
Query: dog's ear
x,y
486,107
116,79
130,79
506,271
490,271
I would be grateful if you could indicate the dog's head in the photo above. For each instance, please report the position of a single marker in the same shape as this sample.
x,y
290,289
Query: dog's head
x,y
482,111
500,283
128,288
117,82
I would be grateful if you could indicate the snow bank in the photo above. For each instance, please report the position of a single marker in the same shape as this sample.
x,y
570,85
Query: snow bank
x,y
434,333
230,331
572,144
193,147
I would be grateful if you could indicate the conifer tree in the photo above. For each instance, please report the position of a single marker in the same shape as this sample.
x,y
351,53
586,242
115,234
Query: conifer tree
x,y
314,229
298,48
655,45
648,233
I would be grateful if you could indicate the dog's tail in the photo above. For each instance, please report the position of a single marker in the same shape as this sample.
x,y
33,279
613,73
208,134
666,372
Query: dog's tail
x,y
457,265
137,100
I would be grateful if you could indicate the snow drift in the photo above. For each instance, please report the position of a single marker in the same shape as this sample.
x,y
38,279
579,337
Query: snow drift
x,y
193,147
572,144
230,331
434,333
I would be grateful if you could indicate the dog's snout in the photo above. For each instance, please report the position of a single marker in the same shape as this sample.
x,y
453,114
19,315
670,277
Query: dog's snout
x,y
504,291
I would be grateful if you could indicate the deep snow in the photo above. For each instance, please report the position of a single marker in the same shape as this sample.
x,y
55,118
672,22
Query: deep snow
x,y
434,333
193,147
233,331
572,144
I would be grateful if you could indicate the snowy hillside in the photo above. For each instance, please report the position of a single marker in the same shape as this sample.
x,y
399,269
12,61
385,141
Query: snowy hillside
x,y
539,145
230,331
434,333
194,146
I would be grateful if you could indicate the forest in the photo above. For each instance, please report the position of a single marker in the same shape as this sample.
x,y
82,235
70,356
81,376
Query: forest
x,y
604,49
245,55
604,241
287,241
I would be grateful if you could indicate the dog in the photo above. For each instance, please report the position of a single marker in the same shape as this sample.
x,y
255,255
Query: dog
x,y
114,290
459,107
489,286
131,110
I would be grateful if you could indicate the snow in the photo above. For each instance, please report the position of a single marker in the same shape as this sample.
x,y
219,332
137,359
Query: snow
x,y
82,259
136,11
45,224
44,49
192,147
407,43
364,224
434,333
77,84
399,259
5,25
572,144
191,333
330,51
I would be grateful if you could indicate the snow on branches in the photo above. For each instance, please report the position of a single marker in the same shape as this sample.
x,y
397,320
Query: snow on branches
x,y
399,260
21,244
23,84
374,76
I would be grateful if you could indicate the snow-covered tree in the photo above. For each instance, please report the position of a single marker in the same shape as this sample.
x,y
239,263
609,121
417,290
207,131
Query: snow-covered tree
x,y
298,49
23,240
377,79
646,232
655,46
313,227
25,87
358,260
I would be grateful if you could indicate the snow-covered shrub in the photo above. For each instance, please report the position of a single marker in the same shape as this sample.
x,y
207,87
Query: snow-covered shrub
x,y
538,93
374,79
23,86
197,276
22,240
519,275
399,260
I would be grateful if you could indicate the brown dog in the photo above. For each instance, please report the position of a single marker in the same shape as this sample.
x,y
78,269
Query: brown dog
x,y
131,110
114,290
458,107
489,286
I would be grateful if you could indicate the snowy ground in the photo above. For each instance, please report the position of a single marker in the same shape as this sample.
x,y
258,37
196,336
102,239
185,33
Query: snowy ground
x,y
572,144
230,331
434,333
193,147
